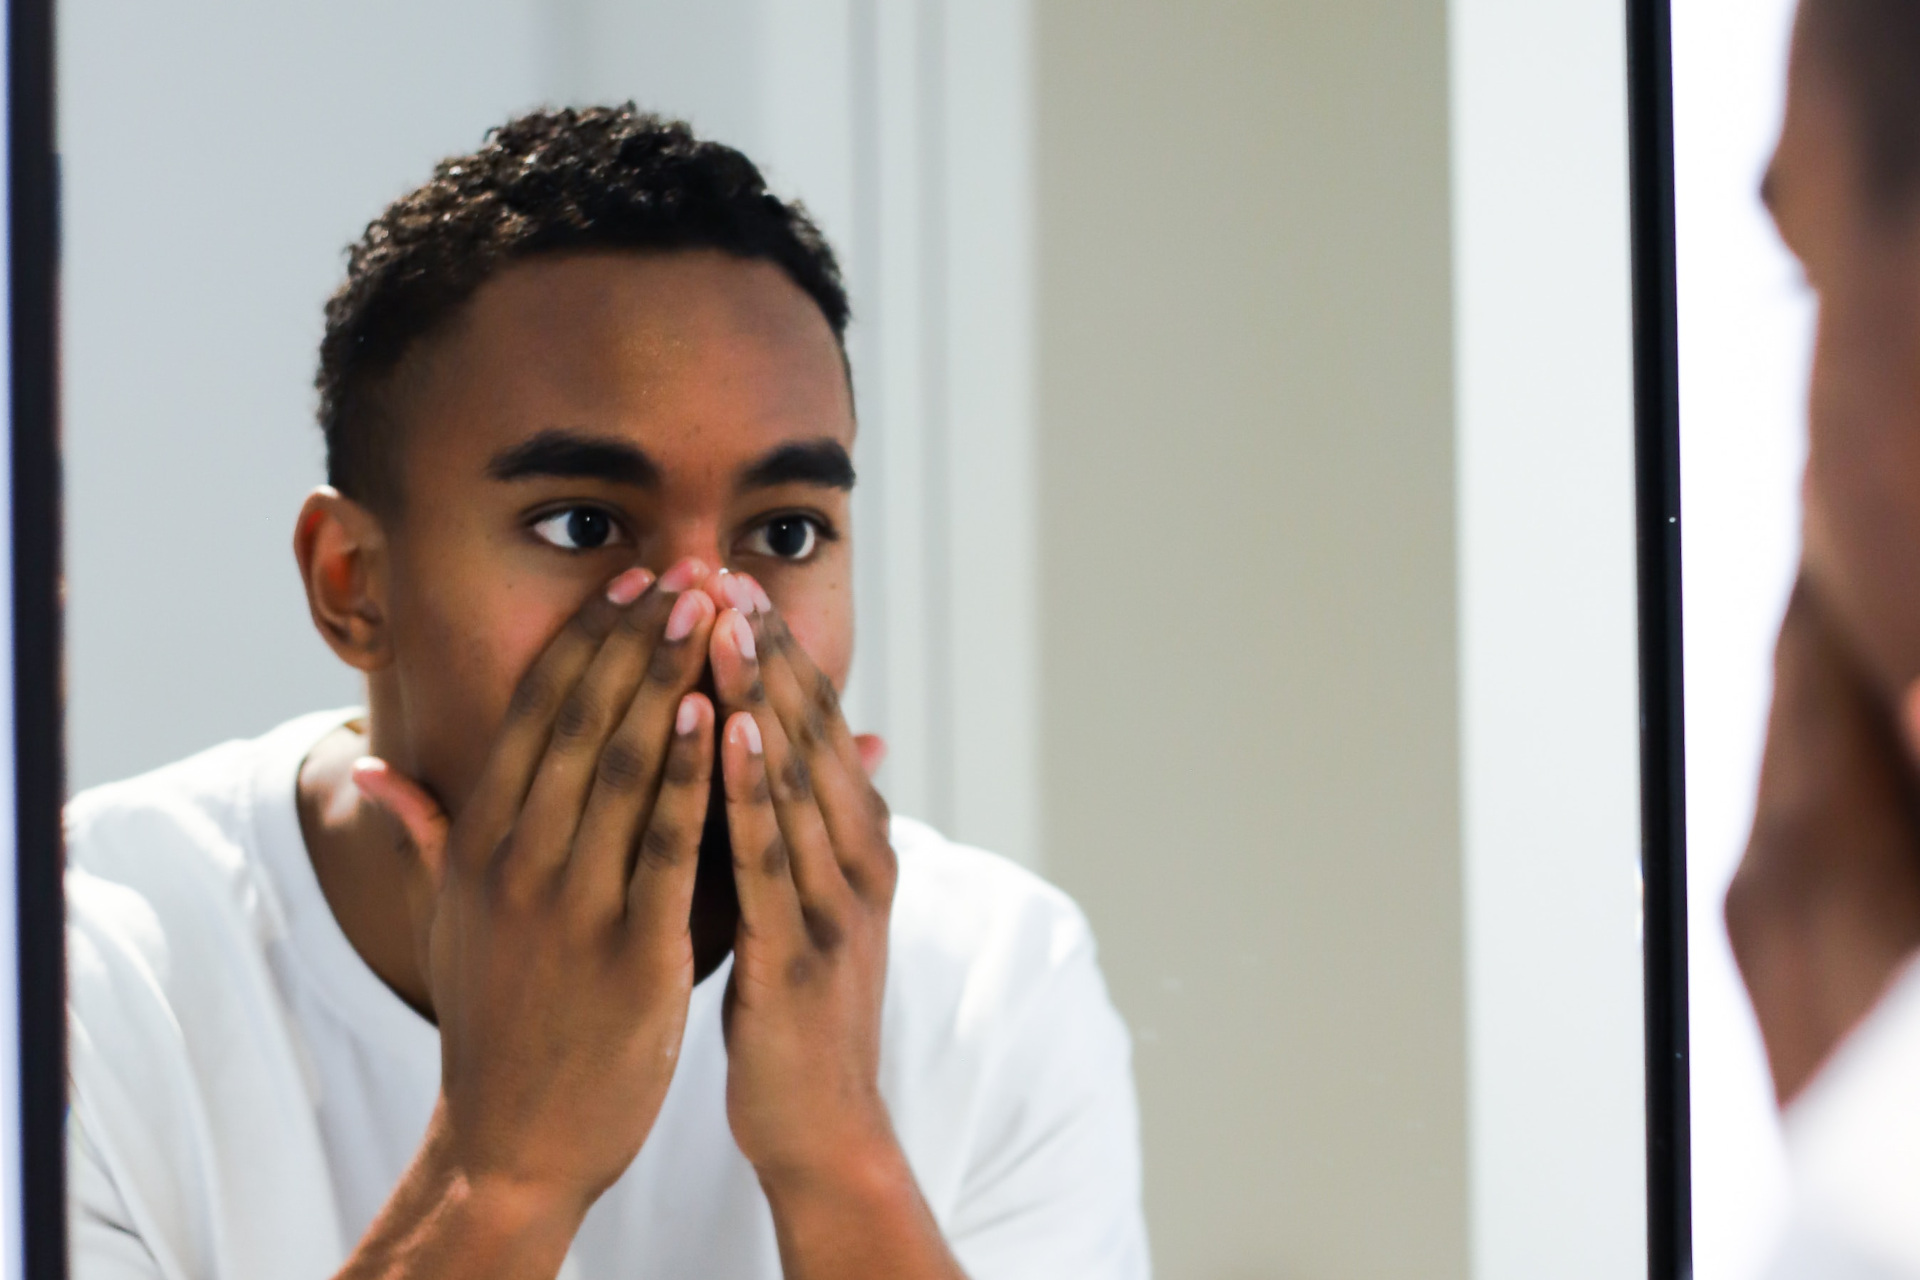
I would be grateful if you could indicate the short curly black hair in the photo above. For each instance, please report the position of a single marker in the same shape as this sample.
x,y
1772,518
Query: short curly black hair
x,y
547,182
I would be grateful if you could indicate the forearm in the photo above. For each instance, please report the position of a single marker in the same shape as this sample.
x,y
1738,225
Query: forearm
x,y
863,1220
439,1222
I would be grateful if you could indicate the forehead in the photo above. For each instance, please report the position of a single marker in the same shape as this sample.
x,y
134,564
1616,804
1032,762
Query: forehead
x,y
696,356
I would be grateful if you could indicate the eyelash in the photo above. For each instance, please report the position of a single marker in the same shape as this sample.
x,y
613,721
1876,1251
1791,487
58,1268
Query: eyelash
x,y
823,531
618,533
823,528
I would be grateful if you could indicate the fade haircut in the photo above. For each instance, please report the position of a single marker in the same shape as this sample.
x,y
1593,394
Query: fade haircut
x,y
1872,47
548,182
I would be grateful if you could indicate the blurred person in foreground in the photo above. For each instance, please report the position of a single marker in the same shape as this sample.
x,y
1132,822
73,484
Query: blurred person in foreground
x,y
1824,913
586,948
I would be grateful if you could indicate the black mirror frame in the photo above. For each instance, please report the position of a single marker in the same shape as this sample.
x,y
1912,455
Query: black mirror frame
x,y
38,690
1656,361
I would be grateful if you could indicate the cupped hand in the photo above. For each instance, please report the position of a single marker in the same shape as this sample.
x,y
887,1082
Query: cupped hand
x,y
815,874
1826,903
557,949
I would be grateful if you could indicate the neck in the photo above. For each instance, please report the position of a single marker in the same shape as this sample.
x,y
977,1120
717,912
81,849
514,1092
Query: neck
x,y
360,856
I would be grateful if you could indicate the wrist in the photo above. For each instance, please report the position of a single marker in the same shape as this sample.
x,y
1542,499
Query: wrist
x,y
866,1172
443,1221
495,1204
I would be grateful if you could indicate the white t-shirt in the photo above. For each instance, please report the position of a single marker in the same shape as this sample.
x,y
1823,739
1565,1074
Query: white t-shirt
x,y
246,1092
1853,1145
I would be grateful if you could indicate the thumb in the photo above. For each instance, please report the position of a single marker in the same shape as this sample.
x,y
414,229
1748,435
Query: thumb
x,y
419,813
873,751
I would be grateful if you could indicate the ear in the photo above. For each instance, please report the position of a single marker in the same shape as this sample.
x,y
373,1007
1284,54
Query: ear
x,y
342,550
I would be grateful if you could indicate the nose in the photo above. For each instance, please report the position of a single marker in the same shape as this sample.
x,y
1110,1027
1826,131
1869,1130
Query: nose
x,y
689,540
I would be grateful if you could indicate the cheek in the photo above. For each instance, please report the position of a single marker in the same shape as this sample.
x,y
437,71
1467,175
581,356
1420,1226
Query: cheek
x,y
821,619
460,651
1862,486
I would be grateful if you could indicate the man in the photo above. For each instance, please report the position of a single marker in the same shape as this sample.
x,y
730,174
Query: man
x,y
587,948
1825,911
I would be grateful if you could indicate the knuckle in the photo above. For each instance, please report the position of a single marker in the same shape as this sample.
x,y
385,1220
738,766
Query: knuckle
x,y
774,858
683,769
595,620
623,767
813,727
756,693
664,666
801,970
662,845
577,719
826,701
533,695
796,779
823,928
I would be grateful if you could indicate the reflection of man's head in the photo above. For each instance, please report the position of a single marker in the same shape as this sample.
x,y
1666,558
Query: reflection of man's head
x,y
1844,188
595,342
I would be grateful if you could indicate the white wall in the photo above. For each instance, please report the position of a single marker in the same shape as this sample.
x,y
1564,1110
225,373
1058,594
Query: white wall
x,y
1746,336
219,155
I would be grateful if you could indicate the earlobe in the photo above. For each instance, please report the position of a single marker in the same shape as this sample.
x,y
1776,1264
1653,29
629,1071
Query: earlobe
x,y
341,548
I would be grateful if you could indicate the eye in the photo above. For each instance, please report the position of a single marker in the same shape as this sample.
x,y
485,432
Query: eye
x,y
578,529
789,538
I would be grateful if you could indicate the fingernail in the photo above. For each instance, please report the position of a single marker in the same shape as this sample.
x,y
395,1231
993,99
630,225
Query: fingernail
x,y
760,596
688,717
629,586
683,575
738,593
685,616
742,636
749,732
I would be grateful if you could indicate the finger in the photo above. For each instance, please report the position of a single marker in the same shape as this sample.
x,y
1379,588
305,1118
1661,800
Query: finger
x,y
522,740
873,751
808,708
418,813
815,870
659,894
587,718
630,766
769,903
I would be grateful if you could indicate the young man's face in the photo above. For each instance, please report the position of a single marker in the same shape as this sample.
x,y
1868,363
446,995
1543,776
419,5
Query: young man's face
x,y
1862,487
586,413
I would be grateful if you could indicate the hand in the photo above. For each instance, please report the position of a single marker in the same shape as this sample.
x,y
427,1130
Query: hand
x,y
1826,903
815,877
557,950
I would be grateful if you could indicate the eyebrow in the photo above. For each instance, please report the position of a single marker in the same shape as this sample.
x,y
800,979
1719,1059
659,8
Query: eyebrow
x,y
572,455
823,463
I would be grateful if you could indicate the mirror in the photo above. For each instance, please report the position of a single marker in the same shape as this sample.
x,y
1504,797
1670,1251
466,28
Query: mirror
x,y
1245,457
1793,154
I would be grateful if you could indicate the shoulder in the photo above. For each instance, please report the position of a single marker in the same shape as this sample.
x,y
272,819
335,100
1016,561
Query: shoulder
x,y
988,956
959,905
183,837
185,1072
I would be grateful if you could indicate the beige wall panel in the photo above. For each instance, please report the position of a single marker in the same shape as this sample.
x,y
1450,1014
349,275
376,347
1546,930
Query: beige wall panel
x,y
1249,666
